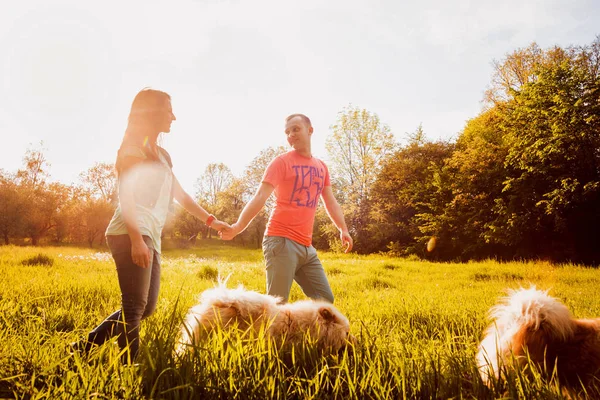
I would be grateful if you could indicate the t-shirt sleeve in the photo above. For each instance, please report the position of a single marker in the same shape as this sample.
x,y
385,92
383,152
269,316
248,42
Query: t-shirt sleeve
x,y
275,172
326,181
167,156
131,151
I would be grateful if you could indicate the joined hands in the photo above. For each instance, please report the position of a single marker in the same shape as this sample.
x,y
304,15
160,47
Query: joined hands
x,y
230,231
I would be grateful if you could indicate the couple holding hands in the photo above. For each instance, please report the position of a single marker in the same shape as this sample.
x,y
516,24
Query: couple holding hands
x,y
147,186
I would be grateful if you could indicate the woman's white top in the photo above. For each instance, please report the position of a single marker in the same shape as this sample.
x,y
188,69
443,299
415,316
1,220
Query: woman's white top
x,y
151,184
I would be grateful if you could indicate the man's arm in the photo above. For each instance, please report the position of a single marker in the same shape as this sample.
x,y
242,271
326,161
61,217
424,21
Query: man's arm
x,y
194,208
337,217
249,212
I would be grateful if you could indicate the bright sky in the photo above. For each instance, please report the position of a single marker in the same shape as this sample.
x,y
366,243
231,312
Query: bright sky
x,y
235,69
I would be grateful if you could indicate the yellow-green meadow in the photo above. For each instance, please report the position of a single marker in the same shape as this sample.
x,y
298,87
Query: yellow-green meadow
x,y
418,324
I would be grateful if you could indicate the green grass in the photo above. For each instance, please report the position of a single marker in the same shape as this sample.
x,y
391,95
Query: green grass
x,y
418,325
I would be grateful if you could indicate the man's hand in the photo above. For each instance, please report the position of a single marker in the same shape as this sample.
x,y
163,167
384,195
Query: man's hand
x,y
140,253
230,232
347,241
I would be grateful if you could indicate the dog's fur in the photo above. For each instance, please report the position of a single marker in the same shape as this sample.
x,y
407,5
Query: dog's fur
x,y
531,326
221,307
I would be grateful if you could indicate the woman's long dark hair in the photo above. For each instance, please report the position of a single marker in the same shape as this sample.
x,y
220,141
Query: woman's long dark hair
x,y
147,110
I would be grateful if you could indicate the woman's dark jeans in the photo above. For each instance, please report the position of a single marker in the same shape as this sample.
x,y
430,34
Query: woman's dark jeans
x,y
139,293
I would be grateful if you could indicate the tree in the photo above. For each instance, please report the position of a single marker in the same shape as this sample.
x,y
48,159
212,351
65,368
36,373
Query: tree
x,y
230,203
410,185
553,165
11,207
216,178
357,147
512,72
525,177
100,182
36,168
474,174
27,204
66,219
94,202
42,208
95,215
40,200
186,225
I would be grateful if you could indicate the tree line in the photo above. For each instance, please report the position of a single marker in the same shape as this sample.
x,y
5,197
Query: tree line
x,y
522,179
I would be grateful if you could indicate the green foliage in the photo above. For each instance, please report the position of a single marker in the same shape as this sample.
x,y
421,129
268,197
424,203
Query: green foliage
x,y
357,148
417,323
523,180
358,145
462,212
405,191
12,205
185,225
553,163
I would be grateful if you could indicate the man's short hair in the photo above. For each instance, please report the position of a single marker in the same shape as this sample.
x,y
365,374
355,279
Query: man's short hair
x,y
304,117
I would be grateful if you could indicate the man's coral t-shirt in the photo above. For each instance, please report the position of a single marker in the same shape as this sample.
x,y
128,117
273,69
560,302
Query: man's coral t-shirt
x,y
298,182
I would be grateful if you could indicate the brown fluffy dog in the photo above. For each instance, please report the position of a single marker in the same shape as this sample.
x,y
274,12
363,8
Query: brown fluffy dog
x,y
287,323
534,327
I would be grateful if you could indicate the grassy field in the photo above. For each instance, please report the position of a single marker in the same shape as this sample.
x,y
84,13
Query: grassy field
x,y
418,325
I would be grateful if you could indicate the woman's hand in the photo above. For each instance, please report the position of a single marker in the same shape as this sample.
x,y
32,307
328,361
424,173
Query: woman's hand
x,y
219,225
140,253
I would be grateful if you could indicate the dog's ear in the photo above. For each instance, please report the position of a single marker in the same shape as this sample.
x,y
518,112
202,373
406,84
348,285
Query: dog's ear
x,y
326,314
222,305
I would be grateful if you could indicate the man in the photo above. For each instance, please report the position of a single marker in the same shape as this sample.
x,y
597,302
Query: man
x,y
298,179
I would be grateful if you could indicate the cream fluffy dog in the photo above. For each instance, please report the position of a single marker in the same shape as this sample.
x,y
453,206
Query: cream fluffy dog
x,y
287,323
531,326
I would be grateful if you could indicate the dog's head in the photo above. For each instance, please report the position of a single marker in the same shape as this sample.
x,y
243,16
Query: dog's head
x,y
334,329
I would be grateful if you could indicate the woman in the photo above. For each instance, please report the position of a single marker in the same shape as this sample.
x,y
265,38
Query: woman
x,y
146,188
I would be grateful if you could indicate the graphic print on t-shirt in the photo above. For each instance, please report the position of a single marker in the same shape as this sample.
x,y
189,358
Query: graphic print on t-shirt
x,y
308,185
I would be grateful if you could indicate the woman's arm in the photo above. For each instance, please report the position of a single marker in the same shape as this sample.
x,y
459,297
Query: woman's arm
x,y
194,208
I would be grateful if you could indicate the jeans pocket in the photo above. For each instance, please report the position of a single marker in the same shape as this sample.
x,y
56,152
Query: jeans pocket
x,y
118,244
120,248
273,245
